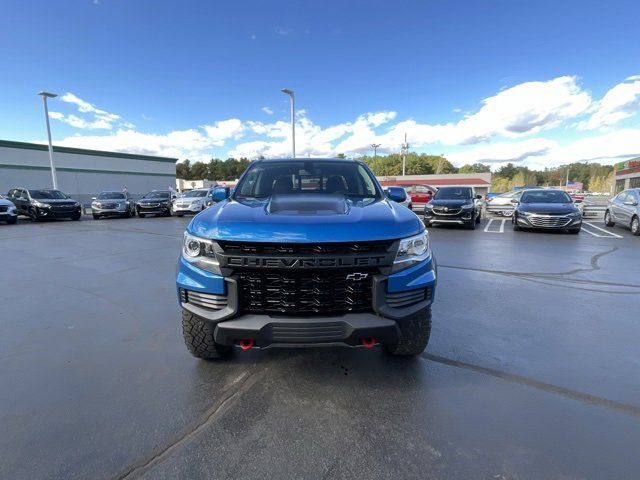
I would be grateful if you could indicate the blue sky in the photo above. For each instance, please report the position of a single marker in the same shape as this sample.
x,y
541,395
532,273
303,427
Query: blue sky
x,y
541,83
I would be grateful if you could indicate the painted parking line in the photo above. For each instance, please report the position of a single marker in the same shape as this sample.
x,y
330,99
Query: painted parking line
x,y
609,234
500,229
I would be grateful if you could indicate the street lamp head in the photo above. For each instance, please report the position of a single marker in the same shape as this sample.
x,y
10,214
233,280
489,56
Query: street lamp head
x,y
48,94
288,91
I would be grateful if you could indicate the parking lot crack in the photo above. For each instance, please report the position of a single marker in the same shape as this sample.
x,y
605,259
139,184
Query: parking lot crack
x,y
530,382
229,397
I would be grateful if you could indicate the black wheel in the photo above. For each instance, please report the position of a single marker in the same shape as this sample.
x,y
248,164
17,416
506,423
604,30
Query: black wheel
x,y
516,227
607,219
33,215
76,216
414,334
478,219
96,217
198,336
12,220
428,224
128,214
472,225
179,214
141,215
635,226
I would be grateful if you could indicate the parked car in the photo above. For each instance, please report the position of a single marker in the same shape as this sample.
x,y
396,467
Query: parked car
x,y
454,205
420,195
113,203
502,204
39,204
156,202
546,209
293,260
624,208
8,211
407,202
193,201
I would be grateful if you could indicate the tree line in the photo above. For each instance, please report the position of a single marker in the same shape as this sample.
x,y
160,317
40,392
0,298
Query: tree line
x,y
595,177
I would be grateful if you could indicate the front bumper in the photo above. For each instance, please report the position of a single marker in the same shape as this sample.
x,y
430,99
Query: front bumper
x,y
215,299
177,208
548,222
144,209
4,216
462,218
55,213
109,211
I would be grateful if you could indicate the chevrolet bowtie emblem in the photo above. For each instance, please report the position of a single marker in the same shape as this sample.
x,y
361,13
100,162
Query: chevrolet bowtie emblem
x,y
357,276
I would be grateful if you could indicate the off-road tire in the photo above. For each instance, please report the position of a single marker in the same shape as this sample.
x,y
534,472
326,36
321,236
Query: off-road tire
x,y
607,219
635,226
198,336
414,335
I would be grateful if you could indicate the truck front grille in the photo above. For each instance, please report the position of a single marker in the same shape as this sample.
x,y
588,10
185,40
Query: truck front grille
x,y
325,292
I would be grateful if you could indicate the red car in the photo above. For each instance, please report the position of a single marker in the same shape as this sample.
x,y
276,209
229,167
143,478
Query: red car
x,y
420,195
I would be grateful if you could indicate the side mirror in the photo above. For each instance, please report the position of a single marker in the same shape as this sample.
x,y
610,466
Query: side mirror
x,y
514,201
397,194
220,193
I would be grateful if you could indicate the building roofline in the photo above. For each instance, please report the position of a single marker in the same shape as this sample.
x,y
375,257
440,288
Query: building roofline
x,y
83,151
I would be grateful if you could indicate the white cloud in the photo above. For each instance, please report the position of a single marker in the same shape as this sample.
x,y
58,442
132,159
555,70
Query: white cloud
x,y
267,110
94,118
223,130
622,101
503,152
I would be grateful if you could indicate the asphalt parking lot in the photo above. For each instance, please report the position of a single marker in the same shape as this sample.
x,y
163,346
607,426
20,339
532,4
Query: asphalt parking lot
x,y
532,370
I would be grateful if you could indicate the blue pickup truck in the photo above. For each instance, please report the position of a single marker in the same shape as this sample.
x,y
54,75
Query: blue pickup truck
x,y
306,252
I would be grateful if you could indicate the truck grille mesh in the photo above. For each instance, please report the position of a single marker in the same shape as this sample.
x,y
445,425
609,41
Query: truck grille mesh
x,y
324,292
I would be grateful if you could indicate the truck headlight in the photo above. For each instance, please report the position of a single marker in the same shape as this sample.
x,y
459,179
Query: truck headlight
x,y
412,250
200,252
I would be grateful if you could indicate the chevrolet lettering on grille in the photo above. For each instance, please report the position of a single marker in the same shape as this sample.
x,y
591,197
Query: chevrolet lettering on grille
x,y
290,262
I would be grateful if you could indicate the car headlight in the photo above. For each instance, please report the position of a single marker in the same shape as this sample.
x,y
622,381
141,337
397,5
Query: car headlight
x,y
468,206
40,204
12,208
412,250
523,214
200,252
575,215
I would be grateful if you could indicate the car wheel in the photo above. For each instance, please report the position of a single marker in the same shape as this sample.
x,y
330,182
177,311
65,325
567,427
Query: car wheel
x,y
472,225
12,220
76,216
516,227
478,219
635,226
414,334
142,215
179,214
96,217
128,214
428,224
607,219
33,215
198,336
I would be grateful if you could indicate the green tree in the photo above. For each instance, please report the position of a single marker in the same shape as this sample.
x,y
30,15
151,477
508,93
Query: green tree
x,y
475,168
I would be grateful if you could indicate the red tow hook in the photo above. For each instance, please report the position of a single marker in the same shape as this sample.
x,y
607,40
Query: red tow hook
x,y
246,343
368,342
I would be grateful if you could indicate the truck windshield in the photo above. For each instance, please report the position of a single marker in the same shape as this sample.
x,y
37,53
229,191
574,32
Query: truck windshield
x,y
453,193
291,177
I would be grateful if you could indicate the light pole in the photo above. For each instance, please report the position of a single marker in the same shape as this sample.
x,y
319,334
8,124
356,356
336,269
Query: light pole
x,y
44,96
289,92
405,149
375,149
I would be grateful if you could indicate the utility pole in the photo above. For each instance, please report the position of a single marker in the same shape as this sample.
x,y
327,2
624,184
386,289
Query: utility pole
x,y
288,91
566,185
375,149
405,149
44,96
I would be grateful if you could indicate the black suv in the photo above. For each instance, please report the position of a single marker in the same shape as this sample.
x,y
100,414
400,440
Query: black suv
x,y
454,205
44,203
156,202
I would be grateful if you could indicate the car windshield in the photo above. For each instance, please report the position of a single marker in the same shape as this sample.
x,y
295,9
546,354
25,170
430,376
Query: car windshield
x,y
111,196
157,195
47,194
545,196
453,193
195,193
290,177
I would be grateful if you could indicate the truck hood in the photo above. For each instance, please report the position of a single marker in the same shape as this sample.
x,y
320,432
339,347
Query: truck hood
x,y
303,218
